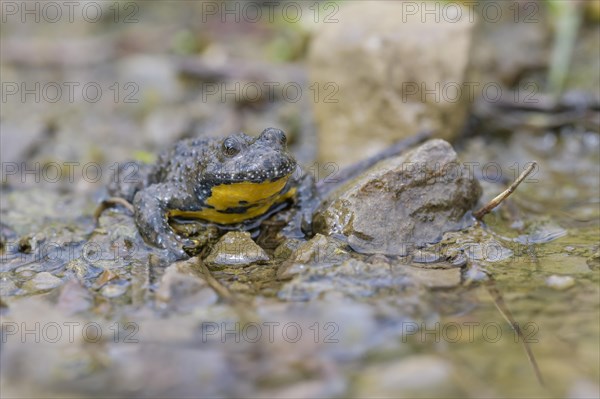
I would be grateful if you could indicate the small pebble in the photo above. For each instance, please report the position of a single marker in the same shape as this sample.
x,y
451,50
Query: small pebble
x,y
42,281
474,273
236,249
560,282
113,290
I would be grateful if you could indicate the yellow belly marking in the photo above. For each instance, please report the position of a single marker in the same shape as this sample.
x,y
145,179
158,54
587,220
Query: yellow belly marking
x,y
258,197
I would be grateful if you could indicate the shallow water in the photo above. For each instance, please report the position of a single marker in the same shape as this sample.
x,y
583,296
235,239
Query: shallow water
x,y
361,327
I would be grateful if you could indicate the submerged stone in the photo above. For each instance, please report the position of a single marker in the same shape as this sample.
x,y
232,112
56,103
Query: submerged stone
x,y
435,278
425,374
42,281
360,279
560,282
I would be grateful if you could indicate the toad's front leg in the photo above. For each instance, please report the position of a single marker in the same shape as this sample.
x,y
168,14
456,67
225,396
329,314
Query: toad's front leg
x,y
152,206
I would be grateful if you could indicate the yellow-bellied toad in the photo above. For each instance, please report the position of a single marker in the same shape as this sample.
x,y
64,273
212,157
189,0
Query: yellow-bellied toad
x,y
233,182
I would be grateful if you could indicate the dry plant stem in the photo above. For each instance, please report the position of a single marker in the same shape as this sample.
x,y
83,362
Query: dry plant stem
x,y
219,288
110,203
242,309
502,196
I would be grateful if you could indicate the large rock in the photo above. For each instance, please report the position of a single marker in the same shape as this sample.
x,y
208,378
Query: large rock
x,y
384,75
507,45
402,202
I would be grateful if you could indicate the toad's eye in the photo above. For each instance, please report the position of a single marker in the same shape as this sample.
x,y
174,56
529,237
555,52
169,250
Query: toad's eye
x,y
274,136
231,147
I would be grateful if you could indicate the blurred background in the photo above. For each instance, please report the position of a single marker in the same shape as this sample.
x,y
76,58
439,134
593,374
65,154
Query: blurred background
x,y
105,81
87,84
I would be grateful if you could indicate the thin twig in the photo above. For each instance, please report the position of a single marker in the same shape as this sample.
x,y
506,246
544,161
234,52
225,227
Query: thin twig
x,y
502,196
242,309
110,203
219,288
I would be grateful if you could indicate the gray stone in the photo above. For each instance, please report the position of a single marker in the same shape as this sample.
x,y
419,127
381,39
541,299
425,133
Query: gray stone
x,y
236,249
402,202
